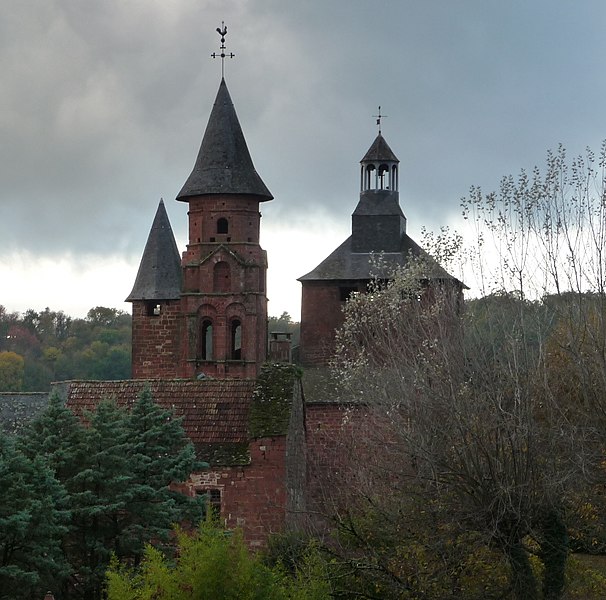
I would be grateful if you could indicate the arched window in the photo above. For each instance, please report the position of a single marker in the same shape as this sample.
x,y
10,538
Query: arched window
x,y
370,177
222,225
206,340
236,340
222,277
384,177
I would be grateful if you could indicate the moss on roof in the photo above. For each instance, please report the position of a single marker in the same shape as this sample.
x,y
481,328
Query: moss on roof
x,y
272,400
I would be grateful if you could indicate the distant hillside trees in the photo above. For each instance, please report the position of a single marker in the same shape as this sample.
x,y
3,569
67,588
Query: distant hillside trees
x,y
54,347
284,324
37,348
11,371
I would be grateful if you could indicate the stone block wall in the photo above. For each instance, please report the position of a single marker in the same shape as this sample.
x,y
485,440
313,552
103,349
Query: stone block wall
x,y
253,496
321,315
155,343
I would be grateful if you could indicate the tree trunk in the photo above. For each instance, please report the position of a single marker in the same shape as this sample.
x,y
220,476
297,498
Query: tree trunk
x,y
554,553
522,579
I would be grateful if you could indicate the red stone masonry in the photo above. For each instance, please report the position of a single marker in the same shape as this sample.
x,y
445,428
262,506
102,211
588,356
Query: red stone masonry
x,y
155,342
321,316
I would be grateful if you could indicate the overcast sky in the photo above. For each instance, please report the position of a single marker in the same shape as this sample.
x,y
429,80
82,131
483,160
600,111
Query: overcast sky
x,y
103,105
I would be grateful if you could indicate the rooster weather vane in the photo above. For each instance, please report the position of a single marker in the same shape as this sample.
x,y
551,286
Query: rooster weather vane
x,y
379,117
222,31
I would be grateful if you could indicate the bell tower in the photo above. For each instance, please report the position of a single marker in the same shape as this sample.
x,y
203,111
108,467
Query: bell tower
x,y
223,297
204,314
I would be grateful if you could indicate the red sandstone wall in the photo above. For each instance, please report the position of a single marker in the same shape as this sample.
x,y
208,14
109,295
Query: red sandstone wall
x,y
155,346
253,497
321,315
240,293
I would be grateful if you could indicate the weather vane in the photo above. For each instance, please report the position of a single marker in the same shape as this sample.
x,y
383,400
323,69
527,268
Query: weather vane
x,y
379,117
222,31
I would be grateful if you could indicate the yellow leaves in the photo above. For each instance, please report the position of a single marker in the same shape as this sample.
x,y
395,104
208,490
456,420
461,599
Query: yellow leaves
x,y
12,366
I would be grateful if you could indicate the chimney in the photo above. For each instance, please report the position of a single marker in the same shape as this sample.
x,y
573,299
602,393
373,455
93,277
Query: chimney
x,y
280,346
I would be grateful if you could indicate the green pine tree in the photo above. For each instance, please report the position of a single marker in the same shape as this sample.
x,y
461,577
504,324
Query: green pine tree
x,y
57,436
33,520
100,495
161,454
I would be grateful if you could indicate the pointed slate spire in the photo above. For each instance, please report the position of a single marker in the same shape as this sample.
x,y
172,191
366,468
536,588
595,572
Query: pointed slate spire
x,y
380,151
224,165
159,275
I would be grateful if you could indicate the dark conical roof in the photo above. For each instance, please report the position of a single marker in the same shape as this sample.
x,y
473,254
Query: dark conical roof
x,y
224,165
159,275
379,150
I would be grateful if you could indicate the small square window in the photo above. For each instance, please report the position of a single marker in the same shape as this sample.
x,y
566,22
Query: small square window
x,y
153,309
213,501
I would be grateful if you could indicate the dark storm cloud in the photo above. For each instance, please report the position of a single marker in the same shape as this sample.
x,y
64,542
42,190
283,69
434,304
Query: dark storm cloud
x,y
103,104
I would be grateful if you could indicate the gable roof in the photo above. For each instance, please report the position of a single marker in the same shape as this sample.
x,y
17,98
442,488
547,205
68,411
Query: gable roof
x,y
159,274
215,412
224,165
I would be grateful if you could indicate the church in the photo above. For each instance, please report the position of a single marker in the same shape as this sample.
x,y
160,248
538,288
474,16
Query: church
x,y
200,339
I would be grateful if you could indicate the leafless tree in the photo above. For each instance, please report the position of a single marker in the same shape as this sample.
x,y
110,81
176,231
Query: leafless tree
x,y
491,415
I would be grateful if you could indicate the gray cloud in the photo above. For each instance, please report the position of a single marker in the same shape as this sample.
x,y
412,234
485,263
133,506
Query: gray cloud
x,y
103,104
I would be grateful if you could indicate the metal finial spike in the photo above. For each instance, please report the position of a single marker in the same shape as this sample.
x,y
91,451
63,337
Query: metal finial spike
x,y
222,31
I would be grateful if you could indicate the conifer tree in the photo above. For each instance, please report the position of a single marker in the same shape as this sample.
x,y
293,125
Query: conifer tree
x,y
100,497
57,435
160,454
32,522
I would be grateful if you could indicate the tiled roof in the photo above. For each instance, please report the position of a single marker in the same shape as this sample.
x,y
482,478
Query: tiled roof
x,y
215,412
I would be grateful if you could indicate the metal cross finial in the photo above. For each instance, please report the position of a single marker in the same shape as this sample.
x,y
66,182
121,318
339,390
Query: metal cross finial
x,y
222,31
379,117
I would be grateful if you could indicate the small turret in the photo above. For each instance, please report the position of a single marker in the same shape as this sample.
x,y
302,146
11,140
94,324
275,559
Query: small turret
x,y
159,275
156,299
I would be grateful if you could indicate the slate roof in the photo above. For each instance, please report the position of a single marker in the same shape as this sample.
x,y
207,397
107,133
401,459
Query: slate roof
x,y
159,275
224,165
344,264
379,150
18,409
215,412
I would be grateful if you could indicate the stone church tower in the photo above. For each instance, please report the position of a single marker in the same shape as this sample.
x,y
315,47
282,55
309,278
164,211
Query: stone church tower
x,y
206,313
